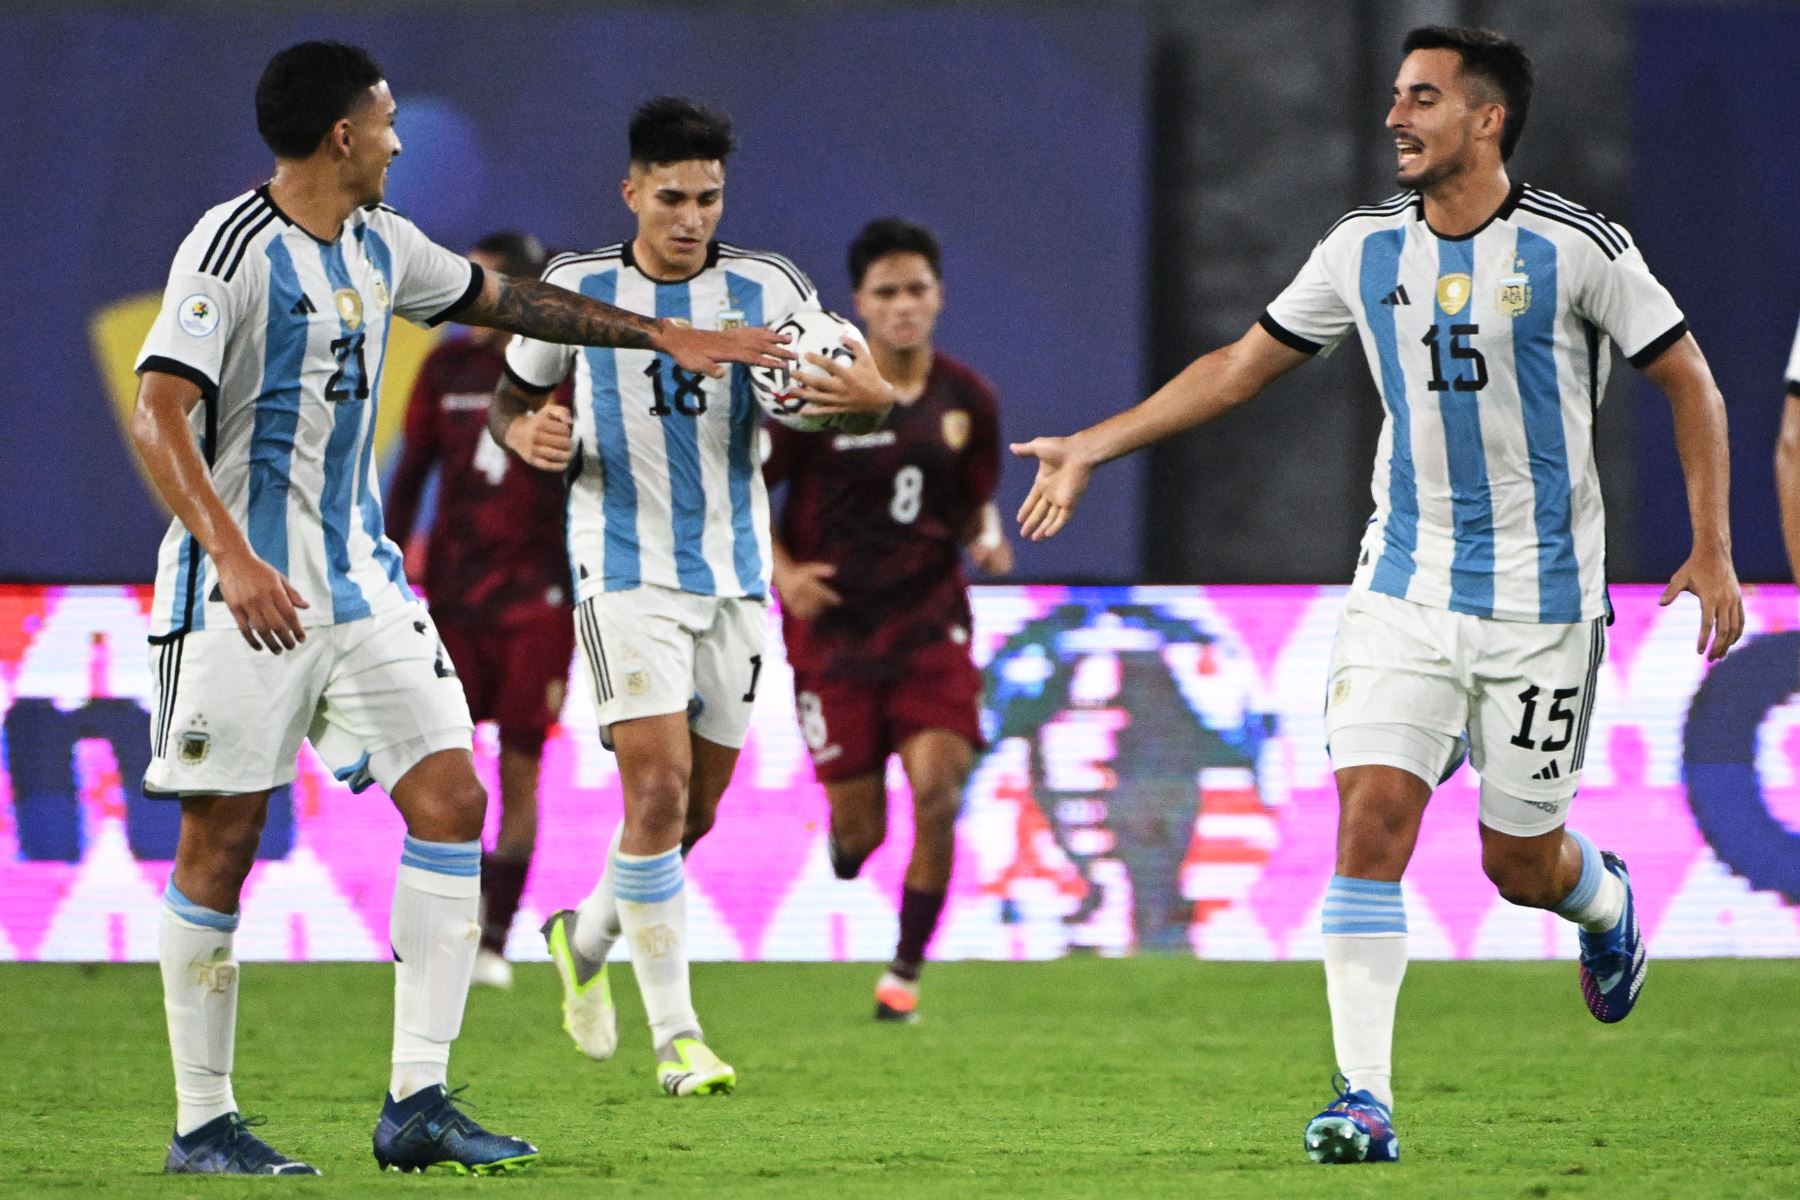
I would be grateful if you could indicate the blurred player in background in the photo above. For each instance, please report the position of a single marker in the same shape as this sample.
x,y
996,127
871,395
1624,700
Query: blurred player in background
x,y
1787,461
496,577
255,421
874,608
1479,605
668,542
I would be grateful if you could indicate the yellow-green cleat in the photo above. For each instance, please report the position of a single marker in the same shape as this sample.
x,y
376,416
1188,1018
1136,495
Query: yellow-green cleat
x,y
688,1068
588,1014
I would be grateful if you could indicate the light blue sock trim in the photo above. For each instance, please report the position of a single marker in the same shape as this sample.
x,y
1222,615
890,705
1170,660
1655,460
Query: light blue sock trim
x,y
648,880
1588,886
197,914
442,858
1363,906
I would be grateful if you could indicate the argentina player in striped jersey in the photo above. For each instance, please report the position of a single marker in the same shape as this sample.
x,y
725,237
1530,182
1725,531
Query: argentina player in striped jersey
x,y
668,528
1787,461
1477,615
255,420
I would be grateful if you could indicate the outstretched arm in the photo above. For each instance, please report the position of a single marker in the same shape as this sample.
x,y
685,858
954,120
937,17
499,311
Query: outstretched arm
x,y
553,314
1682,374
1210,385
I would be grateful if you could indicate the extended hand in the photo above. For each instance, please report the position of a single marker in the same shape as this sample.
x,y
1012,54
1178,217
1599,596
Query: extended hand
x,y
262,602
1061,479
544,438
830,386
708,350
1713,580
804,591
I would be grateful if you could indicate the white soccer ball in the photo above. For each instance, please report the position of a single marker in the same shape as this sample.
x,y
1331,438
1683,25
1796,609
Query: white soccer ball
x,y
814,331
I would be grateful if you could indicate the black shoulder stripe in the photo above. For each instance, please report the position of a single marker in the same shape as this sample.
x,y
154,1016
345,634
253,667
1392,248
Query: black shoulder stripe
x,y
1286,336
1563,218
245,244
1793,388
1605,227
572,257
229,224
1390,207
794,274
1653,350
256,218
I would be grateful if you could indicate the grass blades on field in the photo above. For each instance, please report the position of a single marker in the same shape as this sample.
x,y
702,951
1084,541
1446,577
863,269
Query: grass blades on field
x,y
1083,1077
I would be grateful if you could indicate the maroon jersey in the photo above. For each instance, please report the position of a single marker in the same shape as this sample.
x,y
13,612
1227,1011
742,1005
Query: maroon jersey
x,y
496,555
891,509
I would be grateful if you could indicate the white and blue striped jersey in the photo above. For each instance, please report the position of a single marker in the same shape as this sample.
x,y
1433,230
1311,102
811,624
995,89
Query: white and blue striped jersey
x,y
1491,353
666,486
285,335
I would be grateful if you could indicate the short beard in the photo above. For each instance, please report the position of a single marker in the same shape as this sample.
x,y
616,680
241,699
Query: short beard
x,y
1426,179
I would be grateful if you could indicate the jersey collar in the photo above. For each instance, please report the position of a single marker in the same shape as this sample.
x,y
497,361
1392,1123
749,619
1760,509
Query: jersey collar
x,y
712,260
1500,214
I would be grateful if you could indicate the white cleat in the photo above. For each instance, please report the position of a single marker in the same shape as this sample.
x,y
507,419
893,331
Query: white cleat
x,y
588,1013
491,970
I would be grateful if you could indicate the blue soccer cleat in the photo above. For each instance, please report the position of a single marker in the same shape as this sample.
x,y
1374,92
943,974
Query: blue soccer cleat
x,y
225,1146
427,1130
1356,1127
1613,963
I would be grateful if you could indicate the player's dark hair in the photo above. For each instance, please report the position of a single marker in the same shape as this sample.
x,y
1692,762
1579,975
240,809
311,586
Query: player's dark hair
x,y
521,255
1495,59
671,129
892,235
308,88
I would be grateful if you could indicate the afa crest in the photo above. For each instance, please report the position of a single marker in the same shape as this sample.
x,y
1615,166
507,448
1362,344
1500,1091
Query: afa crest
x,y
378,288
1514,299
731,318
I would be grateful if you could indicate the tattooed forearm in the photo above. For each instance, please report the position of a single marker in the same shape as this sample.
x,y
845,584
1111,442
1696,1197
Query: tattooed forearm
x,y
554,314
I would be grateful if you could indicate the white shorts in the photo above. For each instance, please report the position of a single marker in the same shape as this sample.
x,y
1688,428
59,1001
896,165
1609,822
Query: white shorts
x,y
653,650
1409,683
375,695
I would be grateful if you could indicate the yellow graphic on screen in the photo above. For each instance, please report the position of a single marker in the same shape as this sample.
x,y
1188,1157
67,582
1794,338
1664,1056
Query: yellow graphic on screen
x,y
117,333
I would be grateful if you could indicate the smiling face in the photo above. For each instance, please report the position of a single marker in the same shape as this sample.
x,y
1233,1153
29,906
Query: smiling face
x,y
1444,122
367,141
678,206
899,300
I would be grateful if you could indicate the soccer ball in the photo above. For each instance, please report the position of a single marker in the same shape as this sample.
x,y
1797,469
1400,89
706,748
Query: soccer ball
x,y
814,331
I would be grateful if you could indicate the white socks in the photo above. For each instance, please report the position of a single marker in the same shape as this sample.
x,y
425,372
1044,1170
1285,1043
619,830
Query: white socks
x,y
200,988
435,931
597,918
1597,900
651,895
1365,961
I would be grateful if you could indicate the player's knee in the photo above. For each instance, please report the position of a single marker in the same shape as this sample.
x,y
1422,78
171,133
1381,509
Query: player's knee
x,y
656,801
935,807
223,850
460,808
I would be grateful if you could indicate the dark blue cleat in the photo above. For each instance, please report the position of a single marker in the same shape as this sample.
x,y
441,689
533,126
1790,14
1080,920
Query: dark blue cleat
x,y
427,1130
225,1146
1356,1127
1613,963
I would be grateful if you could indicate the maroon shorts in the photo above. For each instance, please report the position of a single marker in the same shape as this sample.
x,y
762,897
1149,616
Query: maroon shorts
x,y
851,727
515,677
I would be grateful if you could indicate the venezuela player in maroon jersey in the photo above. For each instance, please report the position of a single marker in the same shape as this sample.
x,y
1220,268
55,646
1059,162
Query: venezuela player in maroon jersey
x,y
874,608
496,576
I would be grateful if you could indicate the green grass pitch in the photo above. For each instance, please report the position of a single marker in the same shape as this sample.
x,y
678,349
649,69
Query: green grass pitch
x,y
1085,1077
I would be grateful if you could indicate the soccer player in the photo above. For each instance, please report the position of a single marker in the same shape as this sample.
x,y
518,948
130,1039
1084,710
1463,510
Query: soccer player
x,y
669,549
1787,461
874,609
1479,607
280,609
496,577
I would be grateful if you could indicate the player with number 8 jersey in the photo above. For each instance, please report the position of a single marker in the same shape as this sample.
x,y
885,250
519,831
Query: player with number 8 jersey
x,y
874,606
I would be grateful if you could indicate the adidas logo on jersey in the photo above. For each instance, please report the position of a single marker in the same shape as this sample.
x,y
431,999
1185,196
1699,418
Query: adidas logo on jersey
x,y
1549,772
303,306
1396,297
